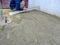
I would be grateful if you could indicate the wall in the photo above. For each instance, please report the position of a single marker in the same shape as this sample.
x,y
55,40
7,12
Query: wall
x,y
49,6
31,3
0,5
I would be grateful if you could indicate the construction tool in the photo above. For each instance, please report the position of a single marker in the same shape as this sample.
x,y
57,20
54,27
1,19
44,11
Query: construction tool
x,y
17,12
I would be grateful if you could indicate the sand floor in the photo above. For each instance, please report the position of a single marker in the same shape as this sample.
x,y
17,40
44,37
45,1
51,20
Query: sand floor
x,y
32,28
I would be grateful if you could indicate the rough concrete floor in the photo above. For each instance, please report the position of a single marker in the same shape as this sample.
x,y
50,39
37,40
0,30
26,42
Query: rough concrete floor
x,y
33,28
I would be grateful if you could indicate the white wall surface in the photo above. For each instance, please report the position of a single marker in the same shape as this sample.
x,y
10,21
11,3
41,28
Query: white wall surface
x,y
31,3
49,6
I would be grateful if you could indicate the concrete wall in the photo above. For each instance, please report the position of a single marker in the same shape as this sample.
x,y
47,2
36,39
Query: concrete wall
x,y
49,6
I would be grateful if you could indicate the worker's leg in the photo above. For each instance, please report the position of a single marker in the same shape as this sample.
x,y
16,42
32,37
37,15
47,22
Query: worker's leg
x,y
12,4
18,6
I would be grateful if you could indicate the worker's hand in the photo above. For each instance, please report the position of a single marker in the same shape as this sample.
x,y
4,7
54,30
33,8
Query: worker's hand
x,y
22,4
